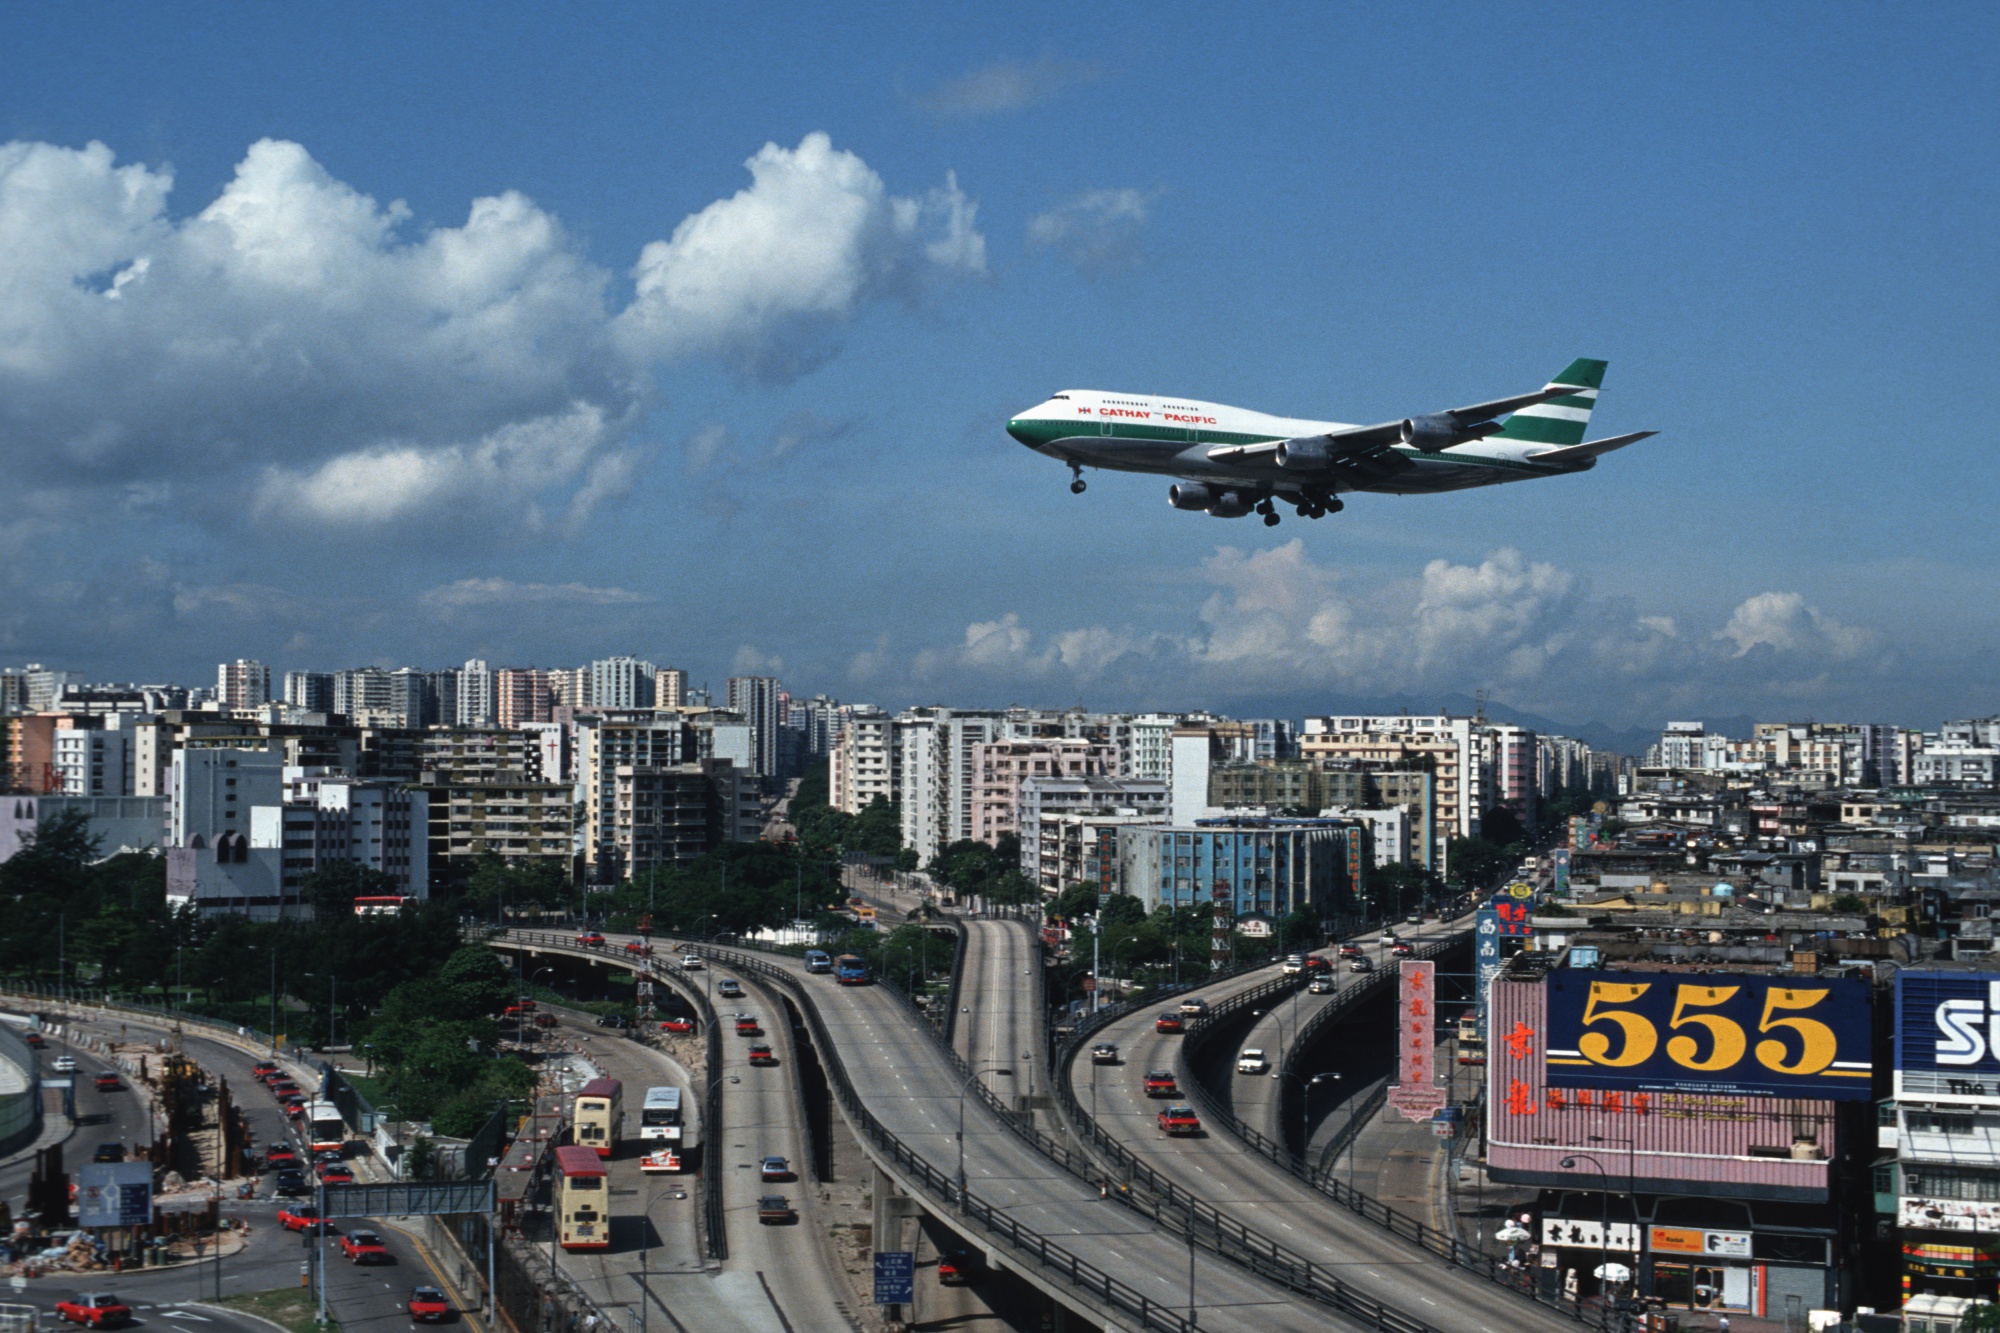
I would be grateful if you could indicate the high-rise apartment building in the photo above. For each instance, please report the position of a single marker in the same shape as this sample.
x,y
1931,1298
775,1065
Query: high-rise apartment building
x,y
310,690
13,692
670,687
863,763
935,773
244,683
622,682
360,691
521,696
1000,767
475,706
756,698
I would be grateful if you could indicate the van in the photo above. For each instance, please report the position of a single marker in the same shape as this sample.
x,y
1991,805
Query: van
x,y
818,960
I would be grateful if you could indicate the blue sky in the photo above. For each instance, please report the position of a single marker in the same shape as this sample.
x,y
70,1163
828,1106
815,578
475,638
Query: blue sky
x,y
717,372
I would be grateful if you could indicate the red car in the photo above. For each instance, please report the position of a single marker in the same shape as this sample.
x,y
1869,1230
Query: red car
x,y
428,1306
283,1088
746,1026
1401,950
1314,964
1179,1122
590,939
639,948
364,1247
108,1082
1160,1083
98,1309
264,1067
1350,951
281,1154
1168,1022
678,1025
295,1106
336,1175
300,1217
760,1054
34,1039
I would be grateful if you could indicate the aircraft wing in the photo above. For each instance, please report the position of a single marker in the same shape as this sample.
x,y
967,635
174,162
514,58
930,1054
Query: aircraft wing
x,y
1374,444
1590,449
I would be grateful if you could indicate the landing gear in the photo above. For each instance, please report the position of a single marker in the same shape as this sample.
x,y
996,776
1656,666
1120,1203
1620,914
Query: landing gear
x,y
1269,511
1076,485
1318,506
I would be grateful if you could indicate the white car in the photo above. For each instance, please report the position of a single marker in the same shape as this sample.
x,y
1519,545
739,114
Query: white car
x,y
63,1064
691,962
1251,1061
1294,964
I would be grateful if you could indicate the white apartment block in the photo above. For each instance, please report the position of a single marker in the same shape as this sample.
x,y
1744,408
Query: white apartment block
x,y
606,742
211,792
862,764
670,687
93,762
622,682
1146,746
1062,821
476,706
244,683
936,775
999,768
1457,746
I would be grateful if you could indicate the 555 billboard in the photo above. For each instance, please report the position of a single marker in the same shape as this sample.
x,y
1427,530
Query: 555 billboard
x,y
1740,1034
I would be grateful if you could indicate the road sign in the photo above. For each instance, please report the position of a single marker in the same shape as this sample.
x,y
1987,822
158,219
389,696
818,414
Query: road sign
x,y
895,1277
1419,1102
410,1199
114,1194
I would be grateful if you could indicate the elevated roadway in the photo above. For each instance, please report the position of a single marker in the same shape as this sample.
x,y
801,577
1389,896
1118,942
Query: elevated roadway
x,y
1247,1188
1033,1215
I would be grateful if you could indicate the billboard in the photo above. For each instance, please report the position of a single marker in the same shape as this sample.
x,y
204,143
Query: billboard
x,y
114,1194
1948,1034
1416,1093
1735,1034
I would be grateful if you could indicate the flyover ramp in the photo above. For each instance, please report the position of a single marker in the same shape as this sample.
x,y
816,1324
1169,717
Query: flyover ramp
x,y
1249,1189
1033,1215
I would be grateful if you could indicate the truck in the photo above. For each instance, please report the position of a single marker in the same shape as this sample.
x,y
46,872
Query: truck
x,y
850,969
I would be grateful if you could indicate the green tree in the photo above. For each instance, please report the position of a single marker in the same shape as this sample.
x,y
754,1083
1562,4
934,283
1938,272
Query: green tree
x,y
333,887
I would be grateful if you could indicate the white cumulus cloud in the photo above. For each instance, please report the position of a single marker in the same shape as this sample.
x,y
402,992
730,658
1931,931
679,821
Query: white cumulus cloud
x,y
1097,230
1275,622
301,352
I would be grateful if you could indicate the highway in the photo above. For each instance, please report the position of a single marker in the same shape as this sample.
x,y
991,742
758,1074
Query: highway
x,y
907,1082
1246,1187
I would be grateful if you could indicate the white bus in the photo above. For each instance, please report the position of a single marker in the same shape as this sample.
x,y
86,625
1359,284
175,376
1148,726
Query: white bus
x,y
660,1117
325,1129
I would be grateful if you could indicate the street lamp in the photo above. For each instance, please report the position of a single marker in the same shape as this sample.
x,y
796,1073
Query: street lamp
x,y
1306,1085
998,1071
1603,1218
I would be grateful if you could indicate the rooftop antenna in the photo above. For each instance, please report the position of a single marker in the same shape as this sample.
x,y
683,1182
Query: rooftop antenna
x,y
1479,705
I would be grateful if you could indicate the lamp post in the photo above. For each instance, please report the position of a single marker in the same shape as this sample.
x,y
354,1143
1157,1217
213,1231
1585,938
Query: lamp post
x,y
646,1261
998,1071
1603,1218
1306,1085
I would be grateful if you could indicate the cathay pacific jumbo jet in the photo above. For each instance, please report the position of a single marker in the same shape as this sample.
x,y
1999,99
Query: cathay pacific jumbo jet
x,y
1230,461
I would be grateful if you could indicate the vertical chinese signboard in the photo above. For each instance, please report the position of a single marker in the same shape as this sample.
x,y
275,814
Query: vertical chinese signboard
x,y
1416,1093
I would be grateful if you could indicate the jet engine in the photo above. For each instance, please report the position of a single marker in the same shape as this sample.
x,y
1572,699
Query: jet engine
x,y
1190,495
1433,433
1307,455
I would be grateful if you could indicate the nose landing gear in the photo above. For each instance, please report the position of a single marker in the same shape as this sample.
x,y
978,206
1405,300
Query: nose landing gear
x,y
1076,485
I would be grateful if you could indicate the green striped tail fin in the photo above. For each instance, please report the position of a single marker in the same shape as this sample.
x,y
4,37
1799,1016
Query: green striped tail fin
x,y
1559,421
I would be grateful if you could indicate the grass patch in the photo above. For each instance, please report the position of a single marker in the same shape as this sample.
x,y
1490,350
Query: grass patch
x,y
291,1307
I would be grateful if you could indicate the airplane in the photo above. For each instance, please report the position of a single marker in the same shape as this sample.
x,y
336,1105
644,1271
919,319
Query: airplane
x,y
1230,461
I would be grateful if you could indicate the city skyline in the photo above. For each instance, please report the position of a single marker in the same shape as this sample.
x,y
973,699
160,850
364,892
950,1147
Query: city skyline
x,y
730,374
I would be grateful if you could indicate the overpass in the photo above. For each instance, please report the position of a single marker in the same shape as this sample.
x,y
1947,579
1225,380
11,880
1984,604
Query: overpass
x,y
1039,1208
1251,1179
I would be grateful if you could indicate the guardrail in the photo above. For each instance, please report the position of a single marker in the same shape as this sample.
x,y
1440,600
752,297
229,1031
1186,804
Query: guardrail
x,y
1367,1207
1170,1208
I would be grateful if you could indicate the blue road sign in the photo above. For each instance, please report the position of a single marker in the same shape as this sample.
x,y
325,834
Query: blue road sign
x,y
895,1277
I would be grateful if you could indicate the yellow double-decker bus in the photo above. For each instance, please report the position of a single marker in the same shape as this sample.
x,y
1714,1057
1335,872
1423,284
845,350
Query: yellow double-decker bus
x,y
583,1200
598,1116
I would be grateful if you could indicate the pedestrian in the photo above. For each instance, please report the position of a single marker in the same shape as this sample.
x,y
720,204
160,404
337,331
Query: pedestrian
x,y
1722,1325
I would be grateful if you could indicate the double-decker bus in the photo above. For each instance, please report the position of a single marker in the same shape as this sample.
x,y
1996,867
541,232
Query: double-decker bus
x,y
387,905
660,1116
325,1128
583,1200
850,969
1471,1046
598,1115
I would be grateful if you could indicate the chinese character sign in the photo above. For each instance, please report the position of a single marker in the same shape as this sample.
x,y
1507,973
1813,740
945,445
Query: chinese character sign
x,y
1416,1010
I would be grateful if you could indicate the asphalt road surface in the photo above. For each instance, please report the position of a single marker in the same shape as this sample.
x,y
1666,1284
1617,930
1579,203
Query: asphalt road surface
x,y
1221,1170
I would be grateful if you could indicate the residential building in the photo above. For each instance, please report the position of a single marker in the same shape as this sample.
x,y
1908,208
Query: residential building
x,y
862,765
503,813
476,706
43,687
622,682
481,754
13,692
1068,826
521,696
310,690
1001,766
1942,1183
213,790
1455,749
1146,746
571,687
244,683
606,741
93,761
670,688
362,690
935,773
1957,763
660,817
755,698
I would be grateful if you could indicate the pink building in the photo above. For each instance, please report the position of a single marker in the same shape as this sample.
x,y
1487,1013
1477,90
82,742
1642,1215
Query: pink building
x,y
1000,767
